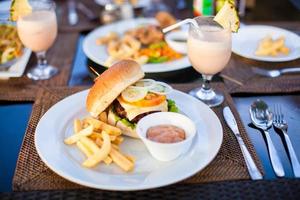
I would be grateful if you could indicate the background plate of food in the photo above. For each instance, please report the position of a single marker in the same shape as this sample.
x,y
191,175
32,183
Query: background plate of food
x,y
143,42
13,55
135,3
266,43
75,135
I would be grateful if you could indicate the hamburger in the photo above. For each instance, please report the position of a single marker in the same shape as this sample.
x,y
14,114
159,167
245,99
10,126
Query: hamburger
x,y
118,91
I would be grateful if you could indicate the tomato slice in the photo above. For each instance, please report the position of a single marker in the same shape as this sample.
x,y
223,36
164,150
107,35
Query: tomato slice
x,y
151,99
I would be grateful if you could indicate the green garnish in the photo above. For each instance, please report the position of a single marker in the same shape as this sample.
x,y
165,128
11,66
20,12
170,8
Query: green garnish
x,y
157,45
172,106
158,59
128,123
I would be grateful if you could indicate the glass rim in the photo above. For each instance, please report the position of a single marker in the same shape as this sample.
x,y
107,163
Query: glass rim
x,y
51,4
222,29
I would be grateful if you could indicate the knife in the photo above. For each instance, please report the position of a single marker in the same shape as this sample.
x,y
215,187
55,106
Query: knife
x,y
231,122
72,13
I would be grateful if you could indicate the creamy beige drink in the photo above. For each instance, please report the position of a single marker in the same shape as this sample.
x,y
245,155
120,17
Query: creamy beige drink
x,y
38,30
209,52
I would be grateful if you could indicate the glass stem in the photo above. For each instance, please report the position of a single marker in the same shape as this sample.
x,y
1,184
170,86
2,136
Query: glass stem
x,y
206,87
41,59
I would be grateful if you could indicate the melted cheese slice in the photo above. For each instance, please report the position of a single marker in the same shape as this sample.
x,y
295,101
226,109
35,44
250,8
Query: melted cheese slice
x,y
133,111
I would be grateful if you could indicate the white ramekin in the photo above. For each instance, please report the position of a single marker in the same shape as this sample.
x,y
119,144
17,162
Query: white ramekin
x,y
166,151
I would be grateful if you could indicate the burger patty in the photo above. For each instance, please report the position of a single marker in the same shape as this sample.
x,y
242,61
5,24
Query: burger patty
x,y
120,111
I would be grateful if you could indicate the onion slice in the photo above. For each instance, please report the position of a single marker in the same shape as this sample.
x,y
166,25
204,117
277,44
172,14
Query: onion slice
x,y
144,83
161,88
133,93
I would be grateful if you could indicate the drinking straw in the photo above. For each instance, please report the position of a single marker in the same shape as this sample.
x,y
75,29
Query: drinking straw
x,y
188,20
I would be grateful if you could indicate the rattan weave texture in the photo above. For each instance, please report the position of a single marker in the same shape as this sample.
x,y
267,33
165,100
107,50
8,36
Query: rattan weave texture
x,y
32,174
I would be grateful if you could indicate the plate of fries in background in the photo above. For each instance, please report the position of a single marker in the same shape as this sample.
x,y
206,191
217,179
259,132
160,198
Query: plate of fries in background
x,y
266,43
138,39
89,152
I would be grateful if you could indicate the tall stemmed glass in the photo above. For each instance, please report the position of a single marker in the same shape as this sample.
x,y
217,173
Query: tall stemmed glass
x,y
209,50
37,31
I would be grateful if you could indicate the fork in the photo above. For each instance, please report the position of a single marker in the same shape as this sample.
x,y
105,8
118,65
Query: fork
x,y
280,123
276,72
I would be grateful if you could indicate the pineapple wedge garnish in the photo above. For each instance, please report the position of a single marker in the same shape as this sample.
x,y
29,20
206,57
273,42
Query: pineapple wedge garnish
x,y
19,8
228,16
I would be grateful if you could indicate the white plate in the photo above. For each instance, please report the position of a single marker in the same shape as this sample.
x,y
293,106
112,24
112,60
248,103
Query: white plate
x,y
98,53
17,69
139,4
66,160
245,42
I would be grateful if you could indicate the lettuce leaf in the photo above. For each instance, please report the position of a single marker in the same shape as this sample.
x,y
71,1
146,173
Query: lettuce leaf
x,y
172,106
128,123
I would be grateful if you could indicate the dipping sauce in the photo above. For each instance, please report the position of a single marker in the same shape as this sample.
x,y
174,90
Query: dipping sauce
x,y
165,134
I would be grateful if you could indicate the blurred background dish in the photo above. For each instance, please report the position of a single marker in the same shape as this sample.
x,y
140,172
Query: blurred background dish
x,y
135,3
13,55
11,48
246,42
99,54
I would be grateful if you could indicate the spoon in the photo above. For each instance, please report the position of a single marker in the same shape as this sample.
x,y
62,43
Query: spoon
x,y
262,118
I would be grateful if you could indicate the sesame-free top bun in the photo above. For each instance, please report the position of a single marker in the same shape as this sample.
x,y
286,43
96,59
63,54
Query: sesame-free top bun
x,y
111,83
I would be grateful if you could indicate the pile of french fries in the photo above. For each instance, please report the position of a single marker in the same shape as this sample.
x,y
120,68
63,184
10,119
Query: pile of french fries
x,y
99,142
269,47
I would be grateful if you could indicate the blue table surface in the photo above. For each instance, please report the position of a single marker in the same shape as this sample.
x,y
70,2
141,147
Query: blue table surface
x,y
15,116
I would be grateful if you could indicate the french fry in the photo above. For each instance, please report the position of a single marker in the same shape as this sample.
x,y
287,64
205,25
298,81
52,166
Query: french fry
x,y
103,117
108,160
85,124
96,135
99,125
269,47
99,146
87,142
84,132
101,154
113,137
118,140
99,142
87,152
131,158
77,125
284,50
121,160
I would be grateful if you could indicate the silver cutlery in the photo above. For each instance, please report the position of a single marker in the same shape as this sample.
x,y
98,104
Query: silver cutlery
x,y
262,118
281,124
86,11
231,122
72,13
275,73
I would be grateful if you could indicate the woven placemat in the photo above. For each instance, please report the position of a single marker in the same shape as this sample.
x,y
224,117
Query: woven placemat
x,y
32,174
18,91
239,77
229,190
